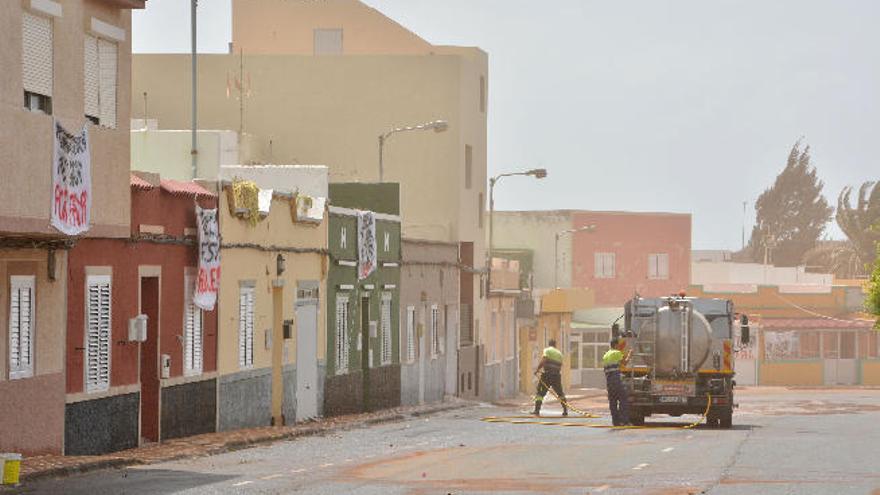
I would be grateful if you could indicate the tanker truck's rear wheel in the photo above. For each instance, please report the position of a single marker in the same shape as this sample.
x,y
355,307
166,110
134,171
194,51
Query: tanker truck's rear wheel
x,y
637,417
725,419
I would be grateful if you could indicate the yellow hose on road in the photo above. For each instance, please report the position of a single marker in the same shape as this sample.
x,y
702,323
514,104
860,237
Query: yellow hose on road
x,y
533,420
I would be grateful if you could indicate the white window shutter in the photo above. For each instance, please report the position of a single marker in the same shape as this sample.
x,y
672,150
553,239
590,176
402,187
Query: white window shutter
x,y
342,347
21,326
107,58
386,328
246,327
98,333
91,76
193,330
410,334
37,54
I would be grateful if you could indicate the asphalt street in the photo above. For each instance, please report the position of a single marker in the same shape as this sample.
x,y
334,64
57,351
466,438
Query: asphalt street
x,y
783,441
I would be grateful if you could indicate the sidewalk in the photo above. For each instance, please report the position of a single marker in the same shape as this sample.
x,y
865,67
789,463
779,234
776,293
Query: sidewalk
x,y
216,443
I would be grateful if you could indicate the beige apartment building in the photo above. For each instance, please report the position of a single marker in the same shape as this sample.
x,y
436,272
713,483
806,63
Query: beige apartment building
x,y
319,82
66,61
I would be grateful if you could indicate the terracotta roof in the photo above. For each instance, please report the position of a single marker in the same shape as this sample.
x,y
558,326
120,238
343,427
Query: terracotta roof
x,y
138,183
812,323
185,188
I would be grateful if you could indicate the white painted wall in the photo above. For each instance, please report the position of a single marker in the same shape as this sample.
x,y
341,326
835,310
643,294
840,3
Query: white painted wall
x,y
714,273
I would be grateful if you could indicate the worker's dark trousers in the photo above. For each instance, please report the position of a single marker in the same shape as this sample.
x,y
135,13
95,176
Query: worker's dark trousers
x,y
548,381
618,402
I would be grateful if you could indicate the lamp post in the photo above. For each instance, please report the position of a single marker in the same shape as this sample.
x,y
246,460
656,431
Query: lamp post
x,y
436,125
538,173
588,228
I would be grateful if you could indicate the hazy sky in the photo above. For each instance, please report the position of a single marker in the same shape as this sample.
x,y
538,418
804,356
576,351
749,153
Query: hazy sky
x,y
676,105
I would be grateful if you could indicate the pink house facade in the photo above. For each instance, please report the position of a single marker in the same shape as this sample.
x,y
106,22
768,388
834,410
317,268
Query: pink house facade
x,y
628,253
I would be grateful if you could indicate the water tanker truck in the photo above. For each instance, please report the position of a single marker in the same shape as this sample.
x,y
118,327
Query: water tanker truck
x,y
680,355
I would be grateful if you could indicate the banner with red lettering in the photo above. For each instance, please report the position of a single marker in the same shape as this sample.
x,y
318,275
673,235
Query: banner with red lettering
x,y
71,181
209,258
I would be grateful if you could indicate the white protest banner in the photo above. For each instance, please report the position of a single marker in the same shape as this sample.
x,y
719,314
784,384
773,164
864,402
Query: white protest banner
x,y
71,181
366,244
209,258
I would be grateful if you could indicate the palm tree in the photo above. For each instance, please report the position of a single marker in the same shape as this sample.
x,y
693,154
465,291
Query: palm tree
x,y
861,223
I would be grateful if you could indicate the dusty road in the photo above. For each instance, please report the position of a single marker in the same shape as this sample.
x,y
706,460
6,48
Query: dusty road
x,y
783,441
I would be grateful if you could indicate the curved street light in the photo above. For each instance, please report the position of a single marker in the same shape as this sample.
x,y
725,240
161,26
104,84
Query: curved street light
x,y
538,173
436,125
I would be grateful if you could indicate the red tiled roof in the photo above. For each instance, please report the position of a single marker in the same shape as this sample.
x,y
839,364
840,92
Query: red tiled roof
x,y
138,183
185,188
812,323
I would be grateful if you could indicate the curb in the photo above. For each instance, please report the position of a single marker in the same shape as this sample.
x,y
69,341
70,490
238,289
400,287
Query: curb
x,y
235,445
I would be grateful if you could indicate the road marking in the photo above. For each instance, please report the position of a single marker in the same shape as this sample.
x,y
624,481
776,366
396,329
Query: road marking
x,y
602,488
369,456
326,465
296,471
271,476
347,460
641,466
242,483
688,437
668,449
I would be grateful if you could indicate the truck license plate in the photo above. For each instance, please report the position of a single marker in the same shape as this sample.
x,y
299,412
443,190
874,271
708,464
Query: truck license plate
x,y
677,399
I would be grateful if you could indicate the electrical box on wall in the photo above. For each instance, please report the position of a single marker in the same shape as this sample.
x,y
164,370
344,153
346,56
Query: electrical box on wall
x,y
288,329
268,337
374,329
137,329
166,366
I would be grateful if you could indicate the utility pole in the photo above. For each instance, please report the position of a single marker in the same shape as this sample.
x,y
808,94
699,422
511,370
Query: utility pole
x,y
194,152
744,225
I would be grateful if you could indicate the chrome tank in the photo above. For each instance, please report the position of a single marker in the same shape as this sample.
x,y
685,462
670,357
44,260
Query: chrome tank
x,y
664,331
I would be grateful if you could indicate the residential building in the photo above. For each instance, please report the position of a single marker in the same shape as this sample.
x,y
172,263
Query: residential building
x,y
429,284
498,343
623,254
320,82
67,62
122,389
551,318
363,294
802,335
273,260
717,273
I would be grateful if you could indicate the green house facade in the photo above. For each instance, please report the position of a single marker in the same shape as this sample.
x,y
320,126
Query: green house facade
x,y
363,343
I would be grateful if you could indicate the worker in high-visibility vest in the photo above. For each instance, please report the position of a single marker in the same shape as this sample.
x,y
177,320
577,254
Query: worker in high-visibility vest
x,y
550,368
618,402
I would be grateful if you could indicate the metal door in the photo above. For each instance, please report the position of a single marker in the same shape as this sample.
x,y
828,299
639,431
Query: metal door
x,y
839,349
450,320
307,351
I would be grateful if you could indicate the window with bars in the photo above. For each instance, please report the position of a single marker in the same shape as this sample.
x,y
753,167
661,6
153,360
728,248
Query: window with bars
x,y
21,326
604,265
435,331
410,334
342,343
193,330
386,328
98,332
100,77
37,62
245,326
658,266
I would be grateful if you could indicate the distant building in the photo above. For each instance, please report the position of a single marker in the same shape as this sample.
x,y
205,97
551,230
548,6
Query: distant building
x,y
626,252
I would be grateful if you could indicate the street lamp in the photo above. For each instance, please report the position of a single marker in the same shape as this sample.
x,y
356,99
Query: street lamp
x,y
436,125
588,228
538,173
